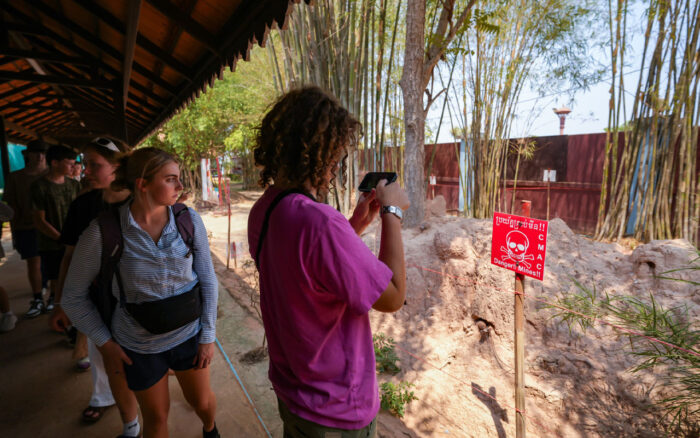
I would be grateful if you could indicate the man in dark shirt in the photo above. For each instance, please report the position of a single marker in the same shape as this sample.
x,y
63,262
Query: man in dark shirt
x,y
24,234
51,197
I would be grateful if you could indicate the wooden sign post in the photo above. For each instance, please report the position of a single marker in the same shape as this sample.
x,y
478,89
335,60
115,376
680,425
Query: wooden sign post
x,y
519,309
519,244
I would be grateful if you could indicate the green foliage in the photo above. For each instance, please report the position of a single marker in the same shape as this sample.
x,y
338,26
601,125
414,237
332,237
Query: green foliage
x,y
220,122
640,321
385,354
396,397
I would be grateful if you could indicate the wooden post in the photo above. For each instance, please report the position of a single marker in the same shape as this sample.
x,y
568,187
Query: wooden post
x,y
4,152
548,184
520,344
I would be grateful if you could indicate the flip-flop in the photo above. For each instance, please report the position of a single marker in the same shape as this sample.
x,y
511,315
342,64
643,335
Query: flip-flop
x,y
89,413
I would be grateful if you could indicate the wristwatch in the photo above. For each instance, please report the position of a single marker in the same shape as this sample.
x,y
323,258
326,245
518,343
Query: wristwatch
x,y
396,211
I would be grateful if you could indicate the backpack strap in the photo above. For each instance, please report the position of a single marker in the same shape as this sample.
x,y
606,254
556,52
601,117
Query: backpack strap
x,y
268,213
112,248
185,227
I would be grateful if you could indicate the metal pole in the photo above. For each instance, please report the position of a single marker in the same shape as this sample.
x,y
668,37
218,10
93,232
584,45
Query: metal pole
x,y
228,239
519,311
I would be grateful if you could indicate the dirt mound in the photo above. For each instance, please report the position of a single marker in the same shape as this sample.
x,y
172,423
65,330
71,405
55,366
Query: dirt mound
x,y
577,385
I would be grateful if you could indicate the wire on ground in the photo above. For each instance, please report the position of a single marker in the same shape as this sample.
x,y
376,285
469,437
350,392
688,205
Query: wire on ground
x,y
240,382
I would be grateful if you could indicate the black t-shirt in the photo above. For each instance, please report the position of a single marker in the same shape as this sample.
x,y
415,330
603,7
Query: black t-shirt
x,y
82,211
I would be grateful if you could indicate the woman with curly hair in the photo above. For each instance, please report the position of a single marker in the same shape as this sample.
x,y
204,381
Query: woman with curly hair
x,y
318,280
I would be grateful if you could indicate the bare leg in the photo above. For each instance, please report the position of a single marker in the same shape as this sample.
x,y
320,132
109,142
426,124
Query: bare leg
x,y
155,404
34,274
4,301
197,390
125,398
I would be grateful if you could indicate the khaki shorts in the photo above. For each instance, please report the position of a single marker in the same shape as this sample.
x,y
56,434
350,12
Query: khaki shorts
x,y
297,427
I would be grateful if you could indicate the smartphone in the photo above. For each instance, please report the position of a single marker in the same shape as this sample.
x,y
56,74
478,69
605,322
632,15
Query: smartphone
x,y
372,178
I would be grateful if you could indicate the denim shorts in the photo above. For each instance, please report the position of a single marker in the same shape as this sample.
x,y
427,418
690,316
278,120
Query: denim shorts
x,y
147,369
26,242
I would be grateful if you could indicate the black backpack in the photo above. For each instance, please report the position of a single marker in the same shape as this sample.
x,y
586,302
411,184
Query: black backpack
x,y
112,246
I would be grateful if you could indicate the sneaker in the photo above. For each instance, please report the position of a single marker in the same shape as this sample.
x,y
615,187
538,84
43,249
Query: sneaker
x,y
7,322
214,433
83,364
36,306
49,305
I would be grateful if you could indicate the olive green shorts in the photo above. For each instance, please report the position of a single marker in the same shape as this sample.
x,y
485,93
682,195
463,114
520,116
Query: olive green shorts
x,y
297,427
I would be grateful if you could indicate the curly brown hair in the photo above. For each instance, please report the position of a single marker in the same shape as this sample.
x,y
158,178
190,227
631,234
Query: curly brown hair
x,y
301,135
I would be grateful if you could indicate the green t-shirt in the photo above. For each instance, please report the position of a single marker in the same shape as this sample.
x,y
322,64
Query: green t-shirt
x,y
54,199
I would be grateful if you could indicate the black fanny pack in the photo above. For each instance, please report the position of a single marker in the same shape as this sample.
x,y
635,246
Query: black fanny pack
x,y
168,314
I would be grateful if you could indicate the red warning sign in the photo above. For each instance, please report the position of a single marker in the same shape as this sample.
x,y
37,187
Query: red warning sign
x,y
519,244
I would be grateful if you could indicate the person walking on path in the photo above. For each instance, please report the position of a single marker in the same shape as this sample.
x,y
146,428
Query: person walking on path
x,y
51,196
24,234
102,159
151,331
318,280
7,318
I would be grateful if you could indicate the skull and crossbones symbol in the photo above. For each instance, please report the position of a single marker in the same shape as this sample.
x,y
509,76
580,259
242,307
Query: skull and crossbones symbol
x,y
516,248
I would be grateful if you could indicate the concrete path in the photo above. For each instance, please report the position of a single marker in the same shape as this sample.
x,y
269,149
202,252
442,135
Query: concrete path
x,y
42,394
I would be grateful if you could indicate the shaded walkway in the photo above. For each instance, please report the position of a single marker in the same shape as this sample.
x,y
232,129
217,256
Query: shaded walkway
x,y
43,395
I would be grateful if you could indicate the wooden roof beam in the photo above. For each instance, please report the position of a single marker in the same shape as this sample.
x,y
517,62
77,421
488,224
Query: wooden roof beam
x,y
121,93
143,42
47,120
43,120
55,80
73,47
47,57
134,85
58,17
36,95
9,125
185,21
16,90
59,108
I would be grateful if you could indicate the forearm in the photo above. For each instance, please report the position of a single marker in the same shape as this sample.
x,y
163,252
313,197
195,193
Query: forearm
x,y
46,229
203,266
391,253
65,264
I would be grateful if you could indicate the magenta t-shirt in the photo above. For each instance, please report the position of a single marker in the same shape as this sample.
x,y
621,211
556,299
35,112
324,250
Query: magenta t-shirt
x,y
318,281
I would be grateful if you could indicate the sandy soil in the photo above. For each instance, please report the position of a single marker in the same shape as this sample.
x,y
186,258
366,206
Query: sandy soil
x,y
577,385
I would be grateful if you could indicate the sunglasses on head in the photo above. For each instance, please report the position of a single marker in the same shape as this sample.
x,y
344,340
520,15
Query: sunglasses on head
x,y
106,143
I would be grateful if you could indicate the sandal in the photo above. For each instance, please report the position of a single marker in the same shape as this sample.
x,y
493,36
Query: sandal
x,y
92,414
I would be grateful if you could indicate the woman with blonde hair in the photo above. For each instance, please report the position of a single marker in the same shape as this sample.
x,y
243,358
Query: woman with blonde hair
x,y
166,292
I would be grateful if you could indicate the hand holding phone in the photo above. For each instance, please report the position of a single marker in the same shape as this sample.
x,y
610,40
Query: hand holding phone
x,y
372,178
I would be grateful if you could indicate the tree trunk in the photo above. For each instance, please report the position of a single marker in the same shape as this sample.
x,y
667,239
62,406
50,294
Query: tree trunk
x,y
414,117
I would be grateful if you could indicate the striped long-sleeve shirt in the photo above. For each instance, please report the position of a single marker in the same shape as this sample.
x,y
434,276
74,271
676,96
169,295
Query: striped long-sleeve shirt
x,y
149,272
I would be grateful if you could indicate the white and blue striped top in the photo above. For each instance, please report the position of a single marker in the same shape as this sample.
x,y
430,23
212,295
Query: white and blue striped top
x,y
149,272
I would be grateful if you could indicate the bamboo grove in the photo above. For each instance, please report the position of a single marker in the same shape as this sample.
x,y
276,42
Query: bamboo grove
x,y
349,48
650,184
355,49
478,60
